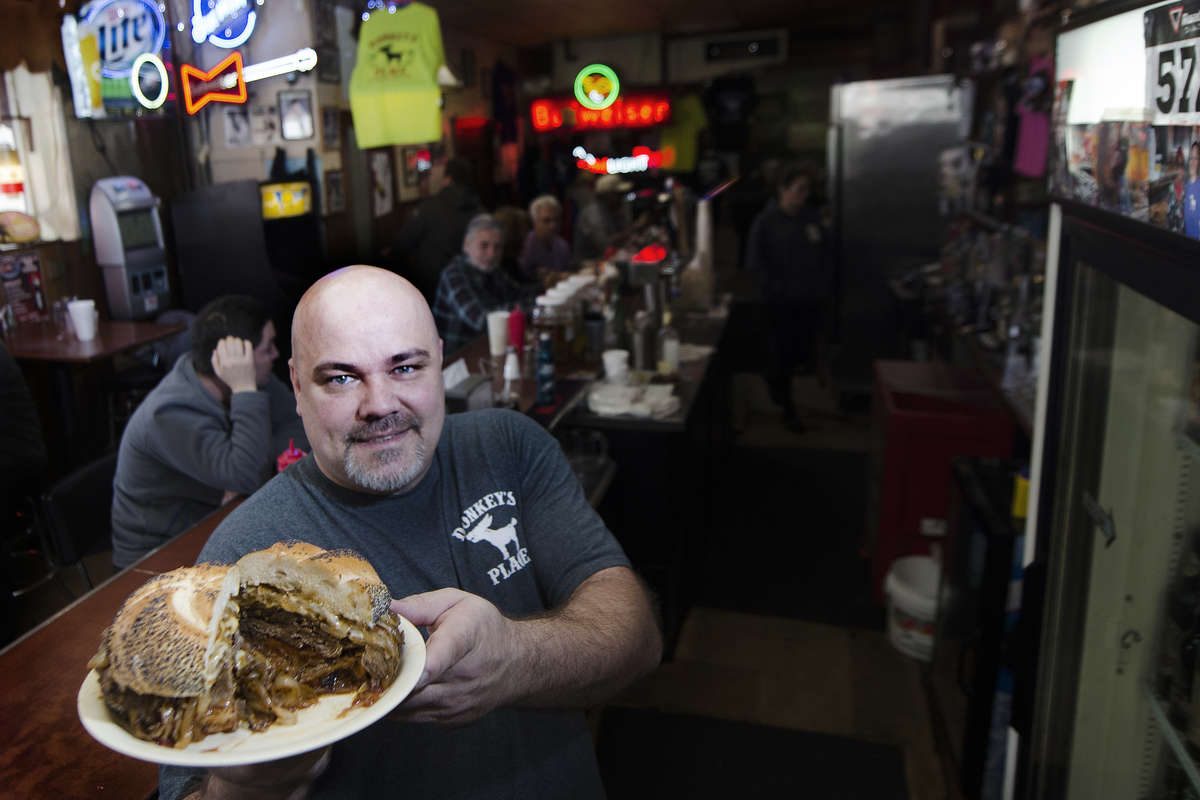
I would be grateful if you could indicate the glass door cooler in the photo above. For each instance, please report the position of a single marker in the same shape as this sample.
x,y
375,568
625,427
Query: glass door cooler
x,y
1115,707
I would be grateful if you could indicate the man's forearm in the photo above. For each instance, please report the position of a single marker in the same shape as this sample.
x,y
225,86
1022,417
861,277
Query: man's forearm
x,y
599,642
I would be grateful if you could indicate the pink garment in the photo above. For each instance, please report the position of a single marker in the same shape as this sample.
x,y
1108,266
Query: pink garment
x,y
1033,143
1033,130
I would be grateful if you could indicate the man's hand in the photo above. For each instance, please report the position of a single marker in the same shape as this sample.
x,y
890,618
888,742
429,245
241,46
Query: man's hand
x,y
467,657
233,363
572,657
287,779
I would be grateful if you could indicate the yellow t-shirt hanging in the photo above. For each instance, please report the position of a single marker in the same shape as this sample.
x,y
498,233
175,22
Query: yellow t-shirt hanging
x,y
394,94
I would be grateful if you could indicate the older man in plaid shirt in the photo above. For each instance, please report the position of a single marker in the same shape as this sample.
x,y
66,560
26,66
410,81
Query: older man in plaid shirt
x,y
471,285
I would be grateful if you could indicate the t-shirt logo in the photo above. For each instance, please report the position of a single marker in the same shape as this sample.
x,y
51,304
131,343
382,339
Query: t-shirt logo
x,y
479,525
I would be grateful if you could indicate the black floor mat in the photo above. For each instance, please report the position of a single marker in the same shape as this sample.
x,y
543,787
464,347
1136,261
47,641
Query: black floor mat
x,y
790,523
646,753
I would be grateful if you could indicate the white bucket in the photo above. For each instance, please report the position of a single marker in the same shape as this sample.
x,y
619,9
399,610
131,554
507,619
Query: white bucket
x,y
911,588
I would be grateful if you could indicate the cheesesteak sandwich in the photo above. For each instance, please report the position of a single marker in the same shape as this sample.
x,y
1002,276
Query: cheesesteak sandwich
x,y
209,648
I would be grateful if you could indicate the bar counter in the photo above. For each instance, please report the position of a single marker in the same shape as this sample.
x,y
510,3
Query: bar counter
x,y
44,750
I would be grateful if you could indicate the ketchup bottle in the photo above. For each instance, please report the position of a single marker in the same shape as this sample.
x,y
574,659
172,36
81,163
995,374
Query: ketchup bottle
x,y
516,329
289,456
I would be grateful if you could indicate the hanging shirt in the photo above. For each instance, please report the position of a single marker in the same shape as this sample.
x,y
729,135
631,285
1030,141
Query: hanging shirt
x,y
394,94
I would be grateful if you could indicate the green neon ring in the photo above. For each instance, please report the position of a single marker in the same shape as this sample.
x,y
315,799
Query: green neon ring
x,y
135,88
599,69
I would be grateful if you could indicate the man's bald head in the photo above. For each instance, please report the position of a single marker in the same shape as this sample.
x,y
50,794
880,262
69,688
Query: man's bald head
x,y
358,292
366,369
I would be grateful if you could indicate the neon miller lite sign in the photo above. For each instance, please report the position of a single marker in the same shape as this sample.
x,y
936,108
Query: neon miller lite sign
x,y
125,29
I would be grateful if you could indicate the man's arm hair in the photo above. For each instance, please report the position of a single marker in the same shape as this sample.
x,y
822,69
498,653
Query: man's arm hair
x,y
603,638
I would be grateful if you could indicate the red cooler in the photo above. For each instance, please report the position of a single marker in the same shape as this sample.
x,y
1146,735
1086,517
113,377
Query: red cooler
x,y
926,414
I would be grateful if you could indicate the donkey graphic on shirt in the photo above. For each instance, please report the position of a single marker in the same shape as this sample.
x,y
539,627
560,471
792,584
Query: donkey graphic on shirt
x,y
478,526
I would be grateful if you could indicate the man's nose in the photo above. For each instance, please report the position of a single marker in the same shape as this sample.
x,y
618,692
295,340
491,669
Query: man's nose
x,y
376,400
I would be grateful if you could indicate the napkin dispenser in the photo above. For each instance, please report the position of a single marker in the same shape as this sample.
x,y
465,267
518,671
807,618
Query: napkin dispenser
x,y
472,393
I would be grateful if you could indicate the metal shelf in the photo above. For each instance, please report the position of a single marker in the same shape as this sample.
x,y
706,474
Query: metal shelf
x,y
1171,737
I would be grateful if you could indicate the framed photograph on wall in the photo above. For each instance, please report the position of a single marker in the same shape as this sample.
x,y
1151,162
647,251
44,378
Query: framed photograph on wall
x,y
296,114
331,129
383,182
417,162
335,192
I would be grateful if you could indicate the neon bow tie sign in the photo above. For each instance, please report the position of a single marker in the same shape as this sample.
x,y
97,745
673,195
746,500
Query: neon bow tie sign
x,y
226,82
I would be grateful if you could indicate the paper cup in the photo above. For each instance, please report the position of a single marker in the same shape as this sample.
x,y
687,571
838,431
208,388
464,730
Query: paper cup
x,y
84,317
497,324
616,365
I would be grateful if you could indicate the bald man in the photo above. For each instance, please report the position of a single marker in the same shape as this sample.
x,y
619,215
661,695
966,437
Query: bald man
x,y
474,520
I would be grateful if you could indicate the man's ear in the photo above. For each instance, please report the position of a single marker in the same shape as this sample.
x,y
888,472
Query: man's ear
x,y
292,374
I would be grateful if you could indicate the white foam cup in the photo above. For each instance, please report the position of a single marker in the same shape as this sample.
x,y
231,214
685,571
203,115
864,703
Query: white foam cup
x,y
497,325
84,317
616,365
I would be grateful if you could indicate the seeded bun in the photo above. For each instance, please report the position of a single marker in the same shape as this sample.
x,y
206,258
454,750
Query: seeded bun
x,y
337,579
164,640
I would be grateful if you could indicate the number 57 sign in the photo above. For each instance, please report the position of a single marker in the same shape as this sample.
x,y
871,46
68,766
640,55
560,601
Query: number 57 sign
x,y
1172,71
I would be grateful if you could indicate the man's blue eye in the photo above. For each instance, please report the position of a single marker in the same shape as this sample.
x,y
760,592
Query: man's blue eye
x,y
340,380
406,369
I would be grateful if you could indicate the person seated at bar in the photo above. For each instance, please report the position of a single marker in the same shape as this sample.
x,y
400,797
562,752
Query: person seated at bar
x,y
471,285
434,231
518,643
545,251
209,431
604,221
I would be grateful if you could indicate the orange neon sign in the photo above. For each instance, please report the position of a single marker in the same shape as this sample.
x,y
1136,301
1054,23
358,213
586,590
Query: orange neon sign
x,y
208,89
629,111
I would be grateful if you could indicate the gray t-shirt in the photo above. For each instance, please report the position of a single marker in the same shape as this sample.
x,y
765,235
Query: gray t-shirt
x,y
498,482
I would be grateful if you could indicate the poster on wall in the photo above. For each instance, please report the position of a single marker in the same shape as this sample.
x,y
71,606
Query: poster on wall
x,y
263,125
237,127
335,192
383,182
331,129
21,278
296,114
1172,33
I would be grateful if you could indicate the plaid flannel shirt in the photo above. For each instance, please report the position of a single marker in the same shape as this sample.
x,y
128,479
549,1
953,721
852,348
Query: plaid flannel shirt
x,y
465,295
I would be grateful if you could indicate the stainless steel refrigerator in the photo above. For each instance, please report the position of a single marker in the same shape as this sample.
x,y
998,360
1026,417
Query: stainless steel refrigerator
x,y
886,139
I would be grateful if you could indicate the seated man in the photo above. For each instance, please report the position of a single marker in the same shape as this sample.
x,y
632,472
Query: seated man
x,y
210,430
471,285
474,520
545,251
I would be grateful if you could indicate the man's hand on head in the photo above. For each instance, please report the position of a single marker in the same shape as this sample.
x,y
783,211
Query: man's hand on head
x,y
233,363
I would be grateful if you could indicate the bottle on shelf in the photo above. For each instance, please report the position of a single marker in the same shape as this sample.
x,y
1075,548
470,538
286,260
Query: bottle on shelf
x,y
545,369
668,346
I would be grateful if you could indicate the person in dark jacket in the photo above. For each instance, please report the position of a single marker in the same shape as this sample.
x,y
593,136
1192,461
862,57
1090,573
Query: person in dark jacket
x,y
434,233
786,252
210,430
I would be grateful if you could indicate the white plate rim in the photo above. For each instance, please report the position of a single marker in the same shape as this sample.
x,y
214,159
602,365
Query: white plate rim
x,y
253,748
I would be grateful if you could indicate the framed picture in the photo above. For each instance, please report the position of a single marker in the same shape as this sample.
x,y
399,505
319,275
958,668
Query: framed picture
x,y
237,126
417,162
326,22
296,114
331,128
329,65
383,182
335,192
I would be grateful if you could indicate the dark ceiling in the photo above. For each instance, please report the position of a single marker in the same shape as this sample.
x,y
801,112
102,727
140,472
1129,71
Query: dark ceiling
x,y
535,22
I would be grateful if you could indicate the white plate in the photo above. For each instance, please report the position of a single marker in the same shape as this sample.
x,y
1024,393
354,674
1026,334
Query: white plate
x,y
318,725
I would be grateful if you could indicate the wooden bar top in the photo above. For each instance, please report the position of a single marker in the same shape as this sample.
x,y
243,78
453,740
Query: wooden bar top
x,y
42,341
44,750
